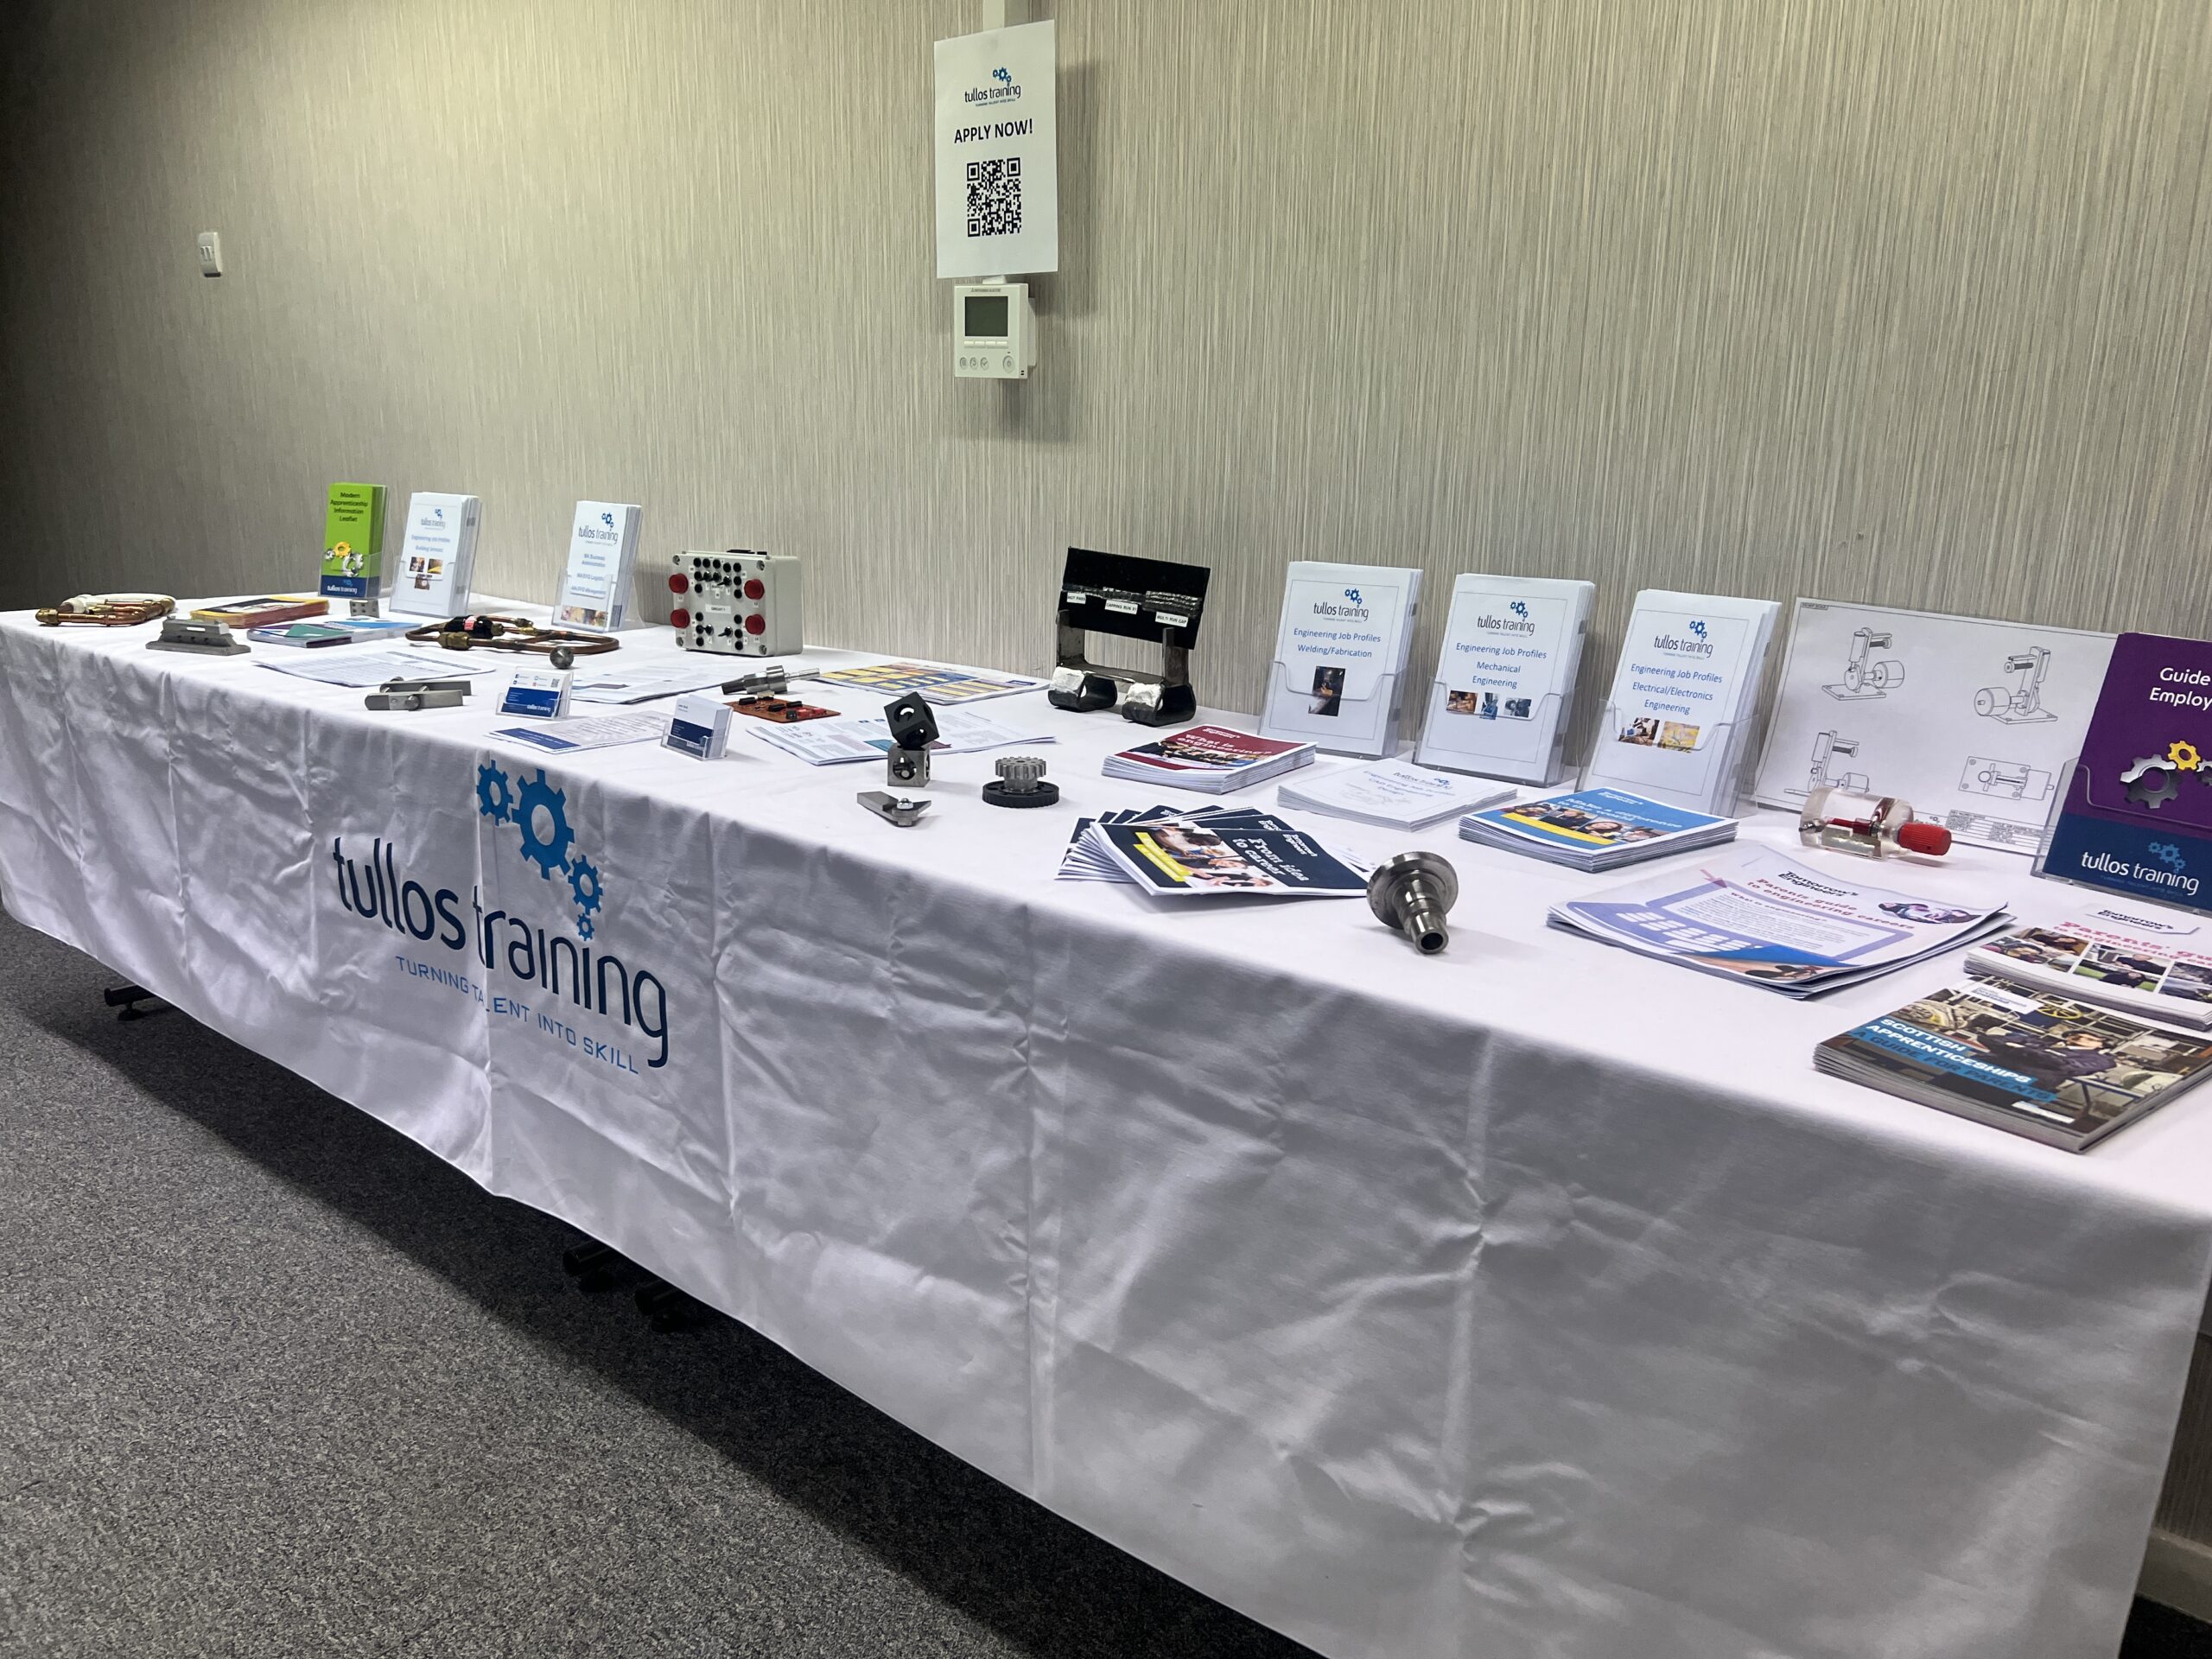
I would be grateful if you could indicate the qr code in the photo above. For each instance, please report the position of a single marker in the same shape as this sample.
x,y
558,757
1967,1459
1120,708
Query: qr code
x,y
994,197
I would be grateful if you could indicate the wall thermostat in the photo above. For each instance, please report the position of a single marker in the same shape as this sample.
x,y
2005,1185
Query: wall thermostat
x,y
738,602
994,332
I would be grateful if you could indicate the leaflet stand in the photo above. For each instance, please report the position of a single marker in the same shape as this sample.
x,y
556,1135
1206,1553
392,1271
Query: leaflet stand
x,y
1545,771
2143,861
2059,796
1730,794
1152,600
1352,714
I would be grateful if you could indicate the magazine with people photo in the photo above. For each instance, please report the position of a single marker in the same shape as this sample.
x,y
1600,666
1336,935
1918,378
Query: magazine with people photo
x,y
1262,857
1213,759
2065,1072
2149,961
1596,829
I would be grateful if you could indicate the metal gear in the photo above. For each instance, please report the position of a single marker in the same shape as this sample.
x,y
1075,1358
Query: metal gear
x,y
495,796
584,883
2151,782
551,853
2184,755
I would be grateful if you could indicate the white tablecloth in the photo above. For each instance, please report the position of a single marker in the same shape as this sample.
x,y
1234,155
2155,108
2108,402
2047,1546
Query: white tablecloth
x,y
1534,1299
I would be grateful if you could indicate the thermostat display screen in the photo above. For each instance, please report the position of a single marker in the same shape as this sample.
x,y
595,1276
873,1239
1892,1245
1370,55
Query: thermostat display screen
x,y
986,317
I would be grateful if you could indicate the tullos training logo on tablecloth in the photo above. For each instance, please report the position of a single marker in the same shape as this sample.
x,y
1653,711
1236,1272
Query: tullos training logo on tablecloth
x,y
541,813
568,973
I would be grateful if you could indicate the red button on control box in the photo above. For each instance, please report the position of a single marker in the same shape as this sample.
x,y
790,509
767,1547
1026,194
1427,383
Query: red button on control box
x,y
679,583
756,623
755,589
679,618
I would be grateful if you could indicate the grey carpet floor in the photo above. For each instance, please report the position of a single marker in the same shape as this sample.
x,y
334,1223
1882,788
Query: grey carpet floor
x,y
273,1380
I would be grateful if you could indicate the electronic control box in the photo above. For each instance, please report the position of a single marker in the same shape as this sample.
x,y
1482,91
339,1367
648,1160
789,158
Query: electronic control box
x,y
738,602
994,332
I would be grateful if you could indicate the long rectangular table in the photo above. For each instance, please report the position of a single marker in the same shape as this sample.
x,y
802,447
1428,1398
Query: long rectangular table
x,y
1534,1298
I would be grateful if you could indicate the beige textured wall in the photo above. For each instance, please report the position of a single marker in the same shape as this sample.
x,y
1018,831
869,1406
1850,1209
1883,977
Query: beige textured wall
x,y
1879,300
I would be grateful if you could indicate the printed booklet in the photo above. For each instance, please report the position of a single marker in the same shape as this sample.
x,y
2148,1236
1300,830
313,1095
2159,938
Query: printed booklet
x,y
1391,794
331,631
1338,678
2159,966
1679,716
437,554
2135,814
1210,759
1504,687
1596,829
1212,852
2063,1072
1759,918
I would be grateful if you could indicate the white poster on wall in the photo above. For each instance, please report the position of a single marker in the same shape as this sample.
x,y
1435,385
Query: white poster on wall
x,y
998,174
1972,721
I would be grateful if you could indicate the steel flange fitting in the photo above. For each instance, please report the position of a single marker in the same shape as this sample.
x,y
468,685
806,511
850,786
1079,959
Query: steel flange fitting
x,y
1413,892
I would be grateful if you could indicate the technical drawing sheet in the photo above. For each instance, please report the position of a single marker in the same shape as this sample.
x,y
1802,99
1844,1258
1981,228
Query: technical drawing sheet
x,y
1972,721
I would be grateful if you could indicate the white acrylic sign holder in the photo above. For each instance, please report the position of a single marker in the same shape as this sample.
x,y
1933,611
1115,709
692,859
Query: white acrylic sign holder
x,y
1724,780
1379,713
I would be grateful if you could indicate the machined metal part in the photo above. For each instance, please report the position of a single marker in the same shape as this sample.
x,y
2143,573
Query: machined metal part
x,y
1020,783
771,682
2150,781
201,638
893,809
404,696
408,701
913,728
1413,892
459,686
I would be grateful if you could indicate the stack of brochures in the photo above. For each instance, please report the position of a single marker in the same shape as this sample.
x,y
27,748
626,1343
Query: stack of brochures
x,y
2063,1073
1596,829
1758,917
1210,759
1392,794
333,631
2159,966
1208,851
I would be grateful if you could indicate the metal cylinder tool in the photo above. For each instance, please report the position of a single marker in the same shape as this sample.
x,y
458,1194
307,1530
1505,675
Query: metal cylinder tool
x,y
1413,892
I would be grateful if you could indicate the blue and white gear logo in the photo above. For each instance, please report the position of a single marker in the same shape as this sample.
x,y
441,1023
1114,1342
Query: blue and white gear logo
x,y
583,884
495,796
550,852
2169,855
541,813
1698,628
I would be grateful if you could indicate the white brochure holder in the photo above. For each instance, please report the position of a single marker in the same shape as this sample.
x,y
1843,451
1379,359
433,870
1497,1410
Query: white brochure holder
x,y
1293,713
1502,693
1341,648
1707,774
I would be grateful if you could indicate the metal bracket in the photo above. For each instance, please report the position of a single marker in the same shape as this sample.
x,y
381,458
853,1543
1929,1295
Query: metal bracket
x,y
407,696
893,809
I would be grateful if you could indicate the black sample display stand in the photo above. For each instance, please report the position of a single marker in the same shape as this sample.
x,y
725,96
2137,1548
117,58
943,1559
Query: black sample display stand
x,y
1153,599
